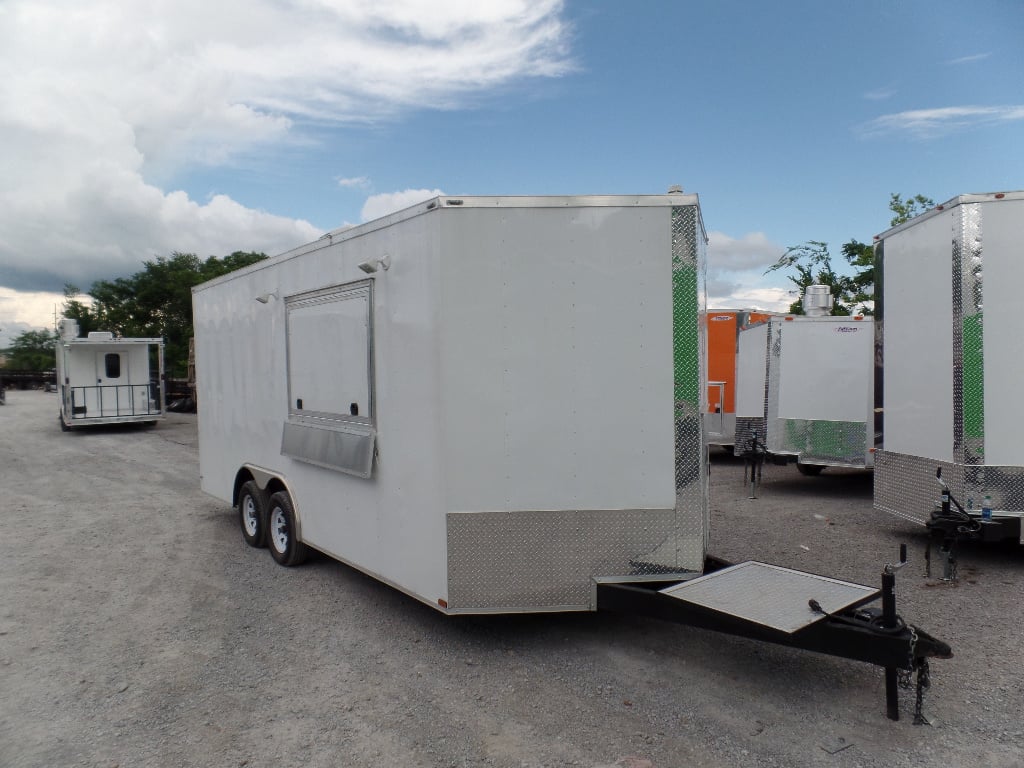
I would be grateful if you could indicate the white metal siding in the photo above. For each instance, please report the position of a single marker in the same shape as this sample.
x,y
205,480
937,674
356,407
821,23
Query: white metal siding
x,y
826,371
918,341
1002,259
555,398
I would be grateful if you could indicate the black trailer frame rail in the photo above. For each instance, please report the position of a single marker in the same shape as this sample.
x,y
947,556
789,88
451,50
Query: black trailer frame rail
x,y
869,634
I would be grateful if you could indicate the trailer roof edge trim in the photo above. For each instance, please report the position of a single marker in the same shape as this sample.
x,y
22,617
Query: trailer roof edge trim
x,y
456,202
986,197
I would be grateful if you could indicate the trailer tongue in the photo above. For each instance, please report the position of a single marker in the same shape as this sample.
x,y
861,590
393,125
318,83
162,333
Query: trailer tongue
x,y
787,607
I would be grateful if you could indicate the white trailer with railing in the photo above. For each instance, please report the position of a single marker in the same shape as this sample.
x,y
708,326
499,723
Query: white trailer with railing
x,y
950,348
494,404
104,379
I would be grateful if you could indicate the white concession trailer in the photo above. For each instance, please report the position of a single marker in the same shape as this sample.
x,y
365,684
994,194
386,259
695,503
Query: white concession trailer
x,y
104,379
805,391
485,402
494,404
952,366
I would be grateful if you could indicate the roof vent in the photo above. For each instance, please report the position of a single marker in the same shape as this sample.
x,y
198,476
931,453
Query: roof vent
x,y
68,328
817,300
100,336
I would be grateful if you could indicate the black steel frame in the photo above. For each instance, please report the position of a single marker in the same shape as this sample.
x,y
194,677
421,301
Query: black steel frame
x,y
872,635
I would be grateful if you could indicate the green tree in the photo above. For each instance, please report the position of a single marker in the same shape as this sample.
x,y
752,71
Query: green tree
x,y
905,210
811,264
77,310
852,289
32,351
158,300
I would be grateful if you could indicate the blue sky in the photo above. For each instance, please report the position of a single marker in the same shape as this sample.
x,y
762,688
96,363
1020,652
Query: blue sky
x,y
136,130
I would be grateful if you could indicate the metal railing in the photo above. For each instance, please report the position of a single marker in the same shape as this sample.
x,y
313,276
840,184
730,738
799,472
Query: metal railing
x,y
107,401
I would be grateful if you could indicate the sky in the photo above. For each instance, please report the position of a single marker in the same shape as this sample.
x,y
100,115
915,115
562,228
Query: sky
x,y
130,131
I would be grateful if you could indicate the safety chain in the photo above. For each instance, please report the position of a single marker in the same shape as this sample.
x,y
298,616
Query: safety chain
x,y
905,678
923,681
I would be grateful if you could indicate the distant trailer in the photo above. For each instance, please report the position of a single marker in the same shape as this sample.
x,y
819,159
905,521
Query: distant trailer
x,y
722,327
107,380
806,389
950,344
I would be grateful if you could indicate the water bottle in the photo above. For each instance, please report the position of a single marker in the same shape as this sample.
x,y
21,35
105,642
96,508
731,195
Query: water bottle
x,y
986,508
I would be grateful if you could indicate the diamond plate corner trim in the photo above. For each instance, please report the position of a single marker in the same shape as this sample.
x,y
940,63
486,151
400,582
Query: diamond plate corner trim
x,y
968,338
879,357
688,263
772,438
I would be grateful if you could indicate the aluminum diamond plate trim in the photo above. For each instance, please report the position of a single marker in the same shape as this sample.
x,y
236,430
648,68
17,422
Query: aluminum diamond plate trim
x,y
546,560
771,596
831,443
968,339
906,486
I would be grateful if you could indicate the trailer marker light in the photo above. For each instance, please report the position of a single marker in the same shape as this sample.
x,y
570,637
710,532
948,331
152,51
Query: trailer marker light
x,y
1000,196
442,602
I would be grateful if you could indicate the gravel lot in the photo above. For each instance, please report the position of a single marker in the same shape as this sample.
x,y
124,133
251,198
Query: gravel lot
x,y
136,629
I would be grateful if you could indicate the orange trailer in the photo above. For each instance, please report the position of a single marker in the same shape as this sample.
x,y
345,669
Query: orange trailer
x,y
722,328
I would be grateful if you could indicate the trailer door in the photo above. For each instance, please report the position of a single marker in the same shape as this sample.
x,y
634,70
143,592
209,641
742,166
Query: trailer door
x,y
109,396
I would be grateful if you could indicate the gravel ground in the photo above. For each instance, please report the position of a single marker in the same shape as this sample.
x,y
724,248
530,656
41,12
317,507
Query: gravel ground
x,y
136,629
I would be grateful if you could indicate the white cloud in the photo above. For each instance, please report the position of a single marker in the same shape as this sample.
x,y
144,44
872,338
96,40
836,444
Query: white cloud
x,y
389,202
22,311
880,94
103,101
932,123
355,181
969,59
735,273
766,298
753,251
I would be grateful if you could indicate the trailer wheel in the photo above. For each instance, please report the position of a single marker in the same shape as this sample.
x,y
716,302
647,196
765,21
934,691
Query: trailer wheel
x,y
284,546
63,426
811,470
252,514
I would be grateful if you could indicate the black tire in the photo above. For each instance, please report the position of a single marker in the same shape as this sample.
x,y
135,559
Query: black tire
x,y
281,539
252,514
811,470
63,426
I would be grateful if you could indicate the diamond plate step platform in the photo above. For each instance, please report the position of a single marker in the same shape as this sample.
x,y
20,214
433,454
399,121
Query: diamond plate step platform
x,y
771,596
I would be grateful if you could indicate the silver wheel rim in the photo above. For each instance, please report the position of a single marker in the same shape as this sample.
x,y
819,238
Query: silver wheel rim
x,y
279,530
250,519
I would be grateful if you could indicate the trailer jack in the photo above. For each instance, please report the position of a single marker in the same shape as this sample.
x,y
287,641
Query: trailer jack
x,y
950,524
792,608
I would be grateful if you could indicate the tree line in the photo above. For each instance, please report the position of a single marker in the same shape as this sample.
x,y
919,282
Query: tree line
x,y
156,301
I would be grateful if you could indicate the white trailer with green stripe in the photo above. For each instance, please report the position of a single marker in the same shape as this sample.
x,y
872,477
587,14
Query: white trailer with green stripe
x,y
486,402
948,310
